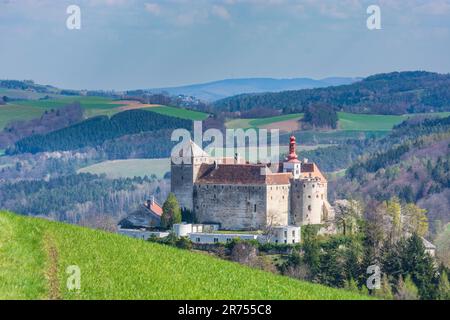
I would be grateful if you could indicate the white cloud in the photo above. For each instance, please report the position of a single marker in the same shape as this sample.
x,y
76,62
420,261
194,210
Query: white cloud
x,y
153,8
220,12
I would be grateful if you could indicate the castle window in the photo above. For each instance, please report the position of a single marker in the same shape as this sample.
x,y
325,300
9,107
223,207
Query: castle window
x,y
317,196
304,186
309,197
182,178
293,233
198,239
216,240
309,207
314,186
254,209
322,196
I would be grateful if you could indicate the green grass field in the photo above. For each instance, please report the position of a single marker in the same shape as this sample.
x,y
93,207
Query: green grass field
x,y
179,113
35,254
86,102
258,123
30,109
10,113
130,168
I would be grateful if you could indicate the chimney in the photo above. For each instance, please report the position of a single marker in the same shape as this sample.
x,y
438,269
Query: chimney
x,y
236,158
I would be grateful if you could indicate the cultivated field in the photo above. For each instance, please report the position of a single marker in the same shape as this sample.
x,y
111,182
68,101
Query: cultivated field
x,y
34,256
130,168
347,121
179,113
263,122
9,113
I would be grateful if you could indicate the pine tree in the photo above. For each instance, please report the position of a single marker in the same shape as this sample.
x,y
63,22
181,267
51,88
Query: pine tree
x,y
417,263
171,212
351,285
406,290
444,287
385,291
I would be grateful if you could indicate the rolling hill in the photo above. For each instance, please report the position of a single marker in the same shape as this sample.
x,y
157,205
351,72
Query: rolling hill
x,y
391,94
411,163
35,254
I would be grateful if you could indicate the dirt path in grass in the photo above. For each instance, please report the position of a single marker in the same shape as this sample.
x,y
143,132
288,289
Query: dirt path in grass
x,y
52,268
133,105
284,126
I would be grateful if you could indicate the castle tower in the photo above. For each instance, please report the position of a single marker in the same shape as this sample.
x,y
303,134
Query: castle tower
x,y
308,194
292,164
185,167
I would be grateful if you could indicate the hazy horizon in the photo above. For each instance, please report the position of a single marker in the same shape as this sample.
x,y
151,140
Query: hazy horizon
x,y
139,44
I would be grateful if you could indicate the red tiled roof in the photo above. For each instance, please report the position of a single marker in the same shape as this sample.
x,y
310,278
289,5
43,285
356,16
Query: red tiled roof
x,y
244,174
155,208
310,170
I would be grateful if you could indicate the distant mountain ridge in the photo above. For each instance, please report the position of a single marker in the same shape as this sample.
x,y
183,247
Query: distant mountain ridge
x,y
216,90
390,93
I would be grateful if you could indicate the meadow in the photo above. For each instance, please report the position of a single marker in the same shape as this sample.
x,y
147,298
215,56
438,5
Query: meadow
x,y
347,121
10,113
179,113
86,103
130,168
35,253
260,123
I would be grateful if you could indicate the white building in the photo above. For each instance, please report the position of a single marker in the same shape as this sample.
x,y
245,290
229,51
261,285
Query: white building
x,y
142,234
184,229
212,238
284,235
207,234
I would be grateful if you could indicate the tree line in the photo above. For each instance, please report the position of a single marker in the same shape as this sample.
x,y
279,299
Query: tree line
x,y
392,93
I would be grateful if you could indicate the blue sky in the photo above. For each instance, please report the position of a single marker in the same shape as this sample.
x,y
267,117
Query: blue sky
x,y
129,44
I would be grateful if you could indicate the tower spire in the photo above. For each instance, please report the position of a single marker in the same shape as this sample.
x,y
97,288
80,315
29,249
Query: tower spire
x,y
292,157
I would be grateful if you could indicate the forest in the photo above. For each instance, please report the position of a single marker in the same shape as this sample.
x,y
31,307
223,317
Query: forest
x,y
391,94
95,131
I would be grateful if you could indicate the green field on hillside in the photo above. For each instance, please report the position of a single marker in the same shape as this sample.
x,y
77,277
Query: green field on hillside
x,y
30,109
368,122
86,103
9,113
179,113
347,121
258,123
35,254
130,168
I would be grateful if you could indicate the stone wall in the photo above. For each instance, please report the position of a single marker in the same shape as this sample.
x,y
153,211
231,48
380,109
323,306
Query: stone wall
x,y
181,182
278,206
234,207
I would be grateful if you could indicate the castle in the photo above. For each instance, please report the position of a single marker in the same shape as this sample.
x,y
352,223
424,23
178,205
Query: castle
x,y
241,196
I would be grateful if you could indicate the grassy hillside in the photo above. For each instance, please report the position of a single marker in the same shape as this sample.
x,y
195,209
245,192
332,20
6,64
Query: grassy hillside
x,y
179,113
10,113
347,121
34,255
394,93
130,168
86,102
260,123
